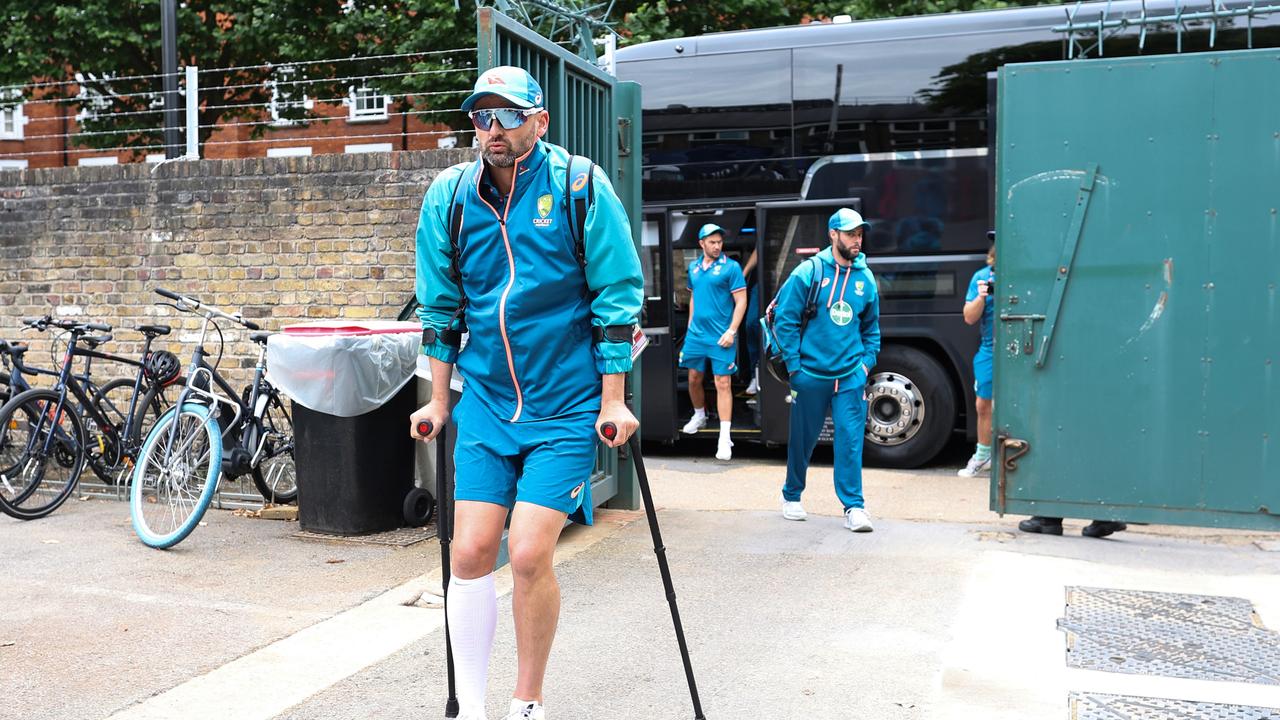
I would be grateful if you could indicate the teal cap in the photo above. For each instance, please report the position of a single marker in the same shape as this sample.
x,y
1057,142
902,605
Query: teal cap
x,y
511,83
710,229
847,220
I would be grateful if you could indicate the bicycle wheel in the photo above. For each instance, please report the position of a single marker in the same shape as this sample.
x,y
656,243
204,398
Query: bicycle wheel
x,y
175,476
109,453
46,454
276,475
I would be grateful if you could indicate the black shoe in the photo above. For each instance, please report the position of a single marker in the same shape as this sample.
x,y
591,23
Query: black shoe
x,y
1042,525
1102,528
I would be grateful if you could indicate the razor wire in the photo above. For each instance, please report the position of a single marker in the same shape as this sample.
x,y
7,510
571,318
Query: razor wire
x,y
269,103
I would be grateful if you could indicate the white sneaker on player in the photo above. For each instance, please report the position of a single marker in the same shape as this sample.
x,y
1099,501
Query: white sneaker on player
x,y
857,520
793,510
976,467
723,451
754,387
696,423
526,710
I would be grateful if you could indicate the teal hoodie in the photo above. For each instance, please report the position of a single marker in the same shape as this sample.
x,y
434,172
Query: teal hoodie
x,y
843,338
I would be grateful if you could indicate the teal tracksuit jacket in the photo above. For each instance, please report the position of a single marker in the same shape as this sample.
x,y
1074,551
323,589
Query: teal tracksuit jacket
x,y
530,303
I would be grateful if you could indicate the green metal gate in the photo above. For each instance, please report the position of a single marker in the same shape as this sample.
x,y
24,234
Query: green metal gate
x,y
1138,325
595,115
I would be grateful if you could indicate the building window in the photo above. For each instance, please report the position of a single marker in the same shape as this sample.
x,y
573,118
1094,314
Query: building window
x,y
109,160
289,102
11,122
369,148
366,104
289,151
13,164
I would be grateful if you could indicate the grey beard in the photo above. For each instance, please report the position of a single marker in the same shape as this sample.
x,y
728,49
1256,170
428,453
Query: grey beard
x,y
502,160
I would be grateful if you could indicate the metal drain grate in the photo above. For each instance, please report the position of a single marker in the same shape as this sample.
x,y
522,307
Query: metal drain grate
x,y
403,537
1182,636
1094,706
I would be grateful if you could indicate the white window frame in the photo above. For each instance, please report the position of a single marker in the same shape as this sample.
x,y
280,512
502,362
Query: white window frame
x,y
358,148
302,151
12,115
282,97
100,160
358,102
13,164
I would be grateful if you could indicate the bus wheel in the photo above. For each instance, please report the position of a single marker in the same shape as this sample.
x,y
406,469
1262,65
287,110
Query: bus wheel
x,y
911,408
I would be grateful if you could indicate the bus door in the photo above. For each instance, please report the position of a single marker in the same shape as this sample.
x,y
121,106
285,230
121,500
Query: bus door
x,y
683,224
788,233
658,367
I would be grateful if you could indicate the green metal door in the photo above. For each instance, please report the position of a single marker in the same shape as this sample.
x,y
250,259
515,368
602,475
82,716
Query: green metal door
x,y
1138,257
594,115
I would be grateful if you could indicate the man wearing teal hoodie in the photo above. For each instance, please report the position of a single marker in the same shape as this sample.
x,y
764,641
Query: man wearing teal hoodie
x,y
828,327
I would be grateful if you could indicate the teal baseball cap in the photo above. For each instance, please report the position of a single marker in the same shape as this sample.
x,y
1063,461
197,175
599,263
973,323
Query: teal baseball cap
x,y
710,229
510,83
847,220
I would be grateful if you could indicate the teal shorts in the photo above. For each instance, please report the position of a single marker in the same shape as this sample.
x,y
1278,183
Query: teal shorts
x,y
697,351
544,462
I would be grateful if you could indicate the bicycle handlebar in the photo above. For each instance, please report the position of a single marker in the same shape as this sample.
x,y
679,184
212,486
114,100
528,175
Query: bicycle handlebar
x,y
41,323
193,304
425,427
609,431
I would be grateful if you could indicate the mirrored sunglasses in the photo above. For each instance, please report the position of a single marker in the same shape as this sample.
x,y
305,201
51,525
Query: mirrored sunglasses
x,y
510,118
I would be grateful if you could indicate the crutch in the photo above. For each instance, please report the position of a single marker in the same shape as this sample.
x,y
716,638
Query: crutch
x,y
444,529
610,431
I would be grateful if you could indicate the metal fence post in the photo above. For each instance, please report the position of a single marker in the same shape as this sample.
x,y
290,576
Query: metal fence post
x,y
193,112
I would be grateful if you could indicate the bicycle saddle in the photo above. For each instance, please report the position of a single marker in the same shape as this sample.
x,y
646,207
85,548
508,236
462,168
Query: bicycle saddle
x,y
93,341
260,337
154,330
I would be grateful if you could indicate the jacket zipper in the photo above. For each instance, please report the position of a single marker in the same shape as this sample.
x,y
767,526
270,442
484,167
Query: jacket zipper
x,y
511,279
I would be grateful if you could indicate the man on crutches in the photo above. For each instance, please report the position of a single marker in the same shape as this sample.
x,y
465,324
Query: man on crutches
x,y
529,250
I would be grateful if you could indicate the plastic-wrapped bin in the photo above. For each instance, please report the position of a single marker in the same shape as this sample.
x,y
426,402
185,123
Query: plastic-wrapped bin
x,y
352,395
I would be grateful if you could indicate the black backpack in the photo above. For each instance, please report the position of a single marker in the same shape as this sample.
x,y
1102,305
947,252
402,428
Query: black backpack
x,y
777,367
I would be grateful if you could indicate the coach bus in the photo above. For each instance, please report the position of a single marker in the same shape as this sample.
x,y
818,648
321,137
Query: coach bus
x,y
766,132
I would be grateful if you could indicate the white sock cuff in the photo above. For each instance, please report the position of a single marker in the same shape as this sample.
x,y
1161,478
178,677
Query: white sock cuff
x,y
724,425
474,585
699,412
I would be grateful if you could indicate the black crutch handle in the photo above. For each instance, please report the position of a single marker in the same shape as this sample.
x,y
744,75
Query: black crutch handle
x,y
425,427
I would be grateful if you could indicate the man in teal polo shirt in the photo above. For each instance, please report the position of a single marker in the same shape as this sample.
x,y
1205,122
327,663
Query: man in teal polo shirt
x,y
717,303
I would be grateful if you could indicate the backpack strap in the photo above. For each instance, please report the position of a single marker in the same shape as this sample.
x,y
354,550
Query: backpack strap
x,y
451,336
811,303
579,185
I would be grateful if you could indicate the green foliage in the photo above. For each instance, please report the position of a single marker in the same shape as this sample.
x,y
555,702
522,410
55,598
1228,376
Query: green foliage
x,y
104,40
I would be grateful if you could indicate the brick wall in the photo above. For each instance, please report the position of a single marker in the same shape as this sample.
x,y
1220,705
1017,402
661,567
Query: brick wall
x,y
283,240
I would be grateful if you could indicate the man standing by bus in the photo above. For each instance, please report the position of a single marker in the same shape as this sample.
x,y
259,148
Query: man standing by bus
x,y
827,323
717,303
550,343
978,310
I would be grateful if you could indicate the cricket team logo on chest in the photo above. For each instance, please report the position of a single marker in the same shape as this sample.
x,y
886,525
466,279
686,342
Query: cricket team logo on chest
x,y
841,313
544,211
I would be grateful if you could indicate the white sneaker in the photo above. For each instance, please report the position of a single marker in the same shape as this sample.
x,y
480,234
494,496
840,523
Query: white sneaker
x,y
473,716
696,423
526,710
793,510
722,450
976,467
857,520
754,387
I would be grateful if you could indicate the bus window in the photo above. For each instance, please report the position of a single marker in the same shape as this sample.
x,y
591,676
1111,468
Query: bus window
x,y
708,133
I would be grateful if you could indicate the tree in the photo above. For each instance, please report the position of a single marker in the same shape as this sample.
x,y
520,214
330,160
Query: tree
x,y
249,51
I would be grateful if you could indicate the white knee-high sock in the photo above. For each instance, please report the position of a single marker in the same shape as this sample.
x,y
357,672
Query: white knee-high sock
x,y
472,610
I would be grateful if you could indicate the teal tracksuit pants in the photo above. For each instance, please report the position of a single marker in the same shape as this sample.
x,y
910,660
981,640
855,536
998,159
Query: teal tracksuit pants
x,y
811,399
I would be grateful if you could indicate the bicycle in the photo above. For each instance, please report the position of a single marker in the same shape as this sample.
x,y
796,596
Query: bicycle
x,y
44,437
193,444
125,403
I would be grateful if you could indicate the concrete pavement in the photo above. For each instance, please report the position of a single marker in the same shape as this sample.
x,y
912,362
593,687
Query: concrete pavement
x,y
945,611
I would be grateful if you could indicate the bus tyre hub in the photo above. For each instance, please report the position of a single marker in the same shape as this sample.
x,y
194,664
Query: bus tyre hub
x,y
911,408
